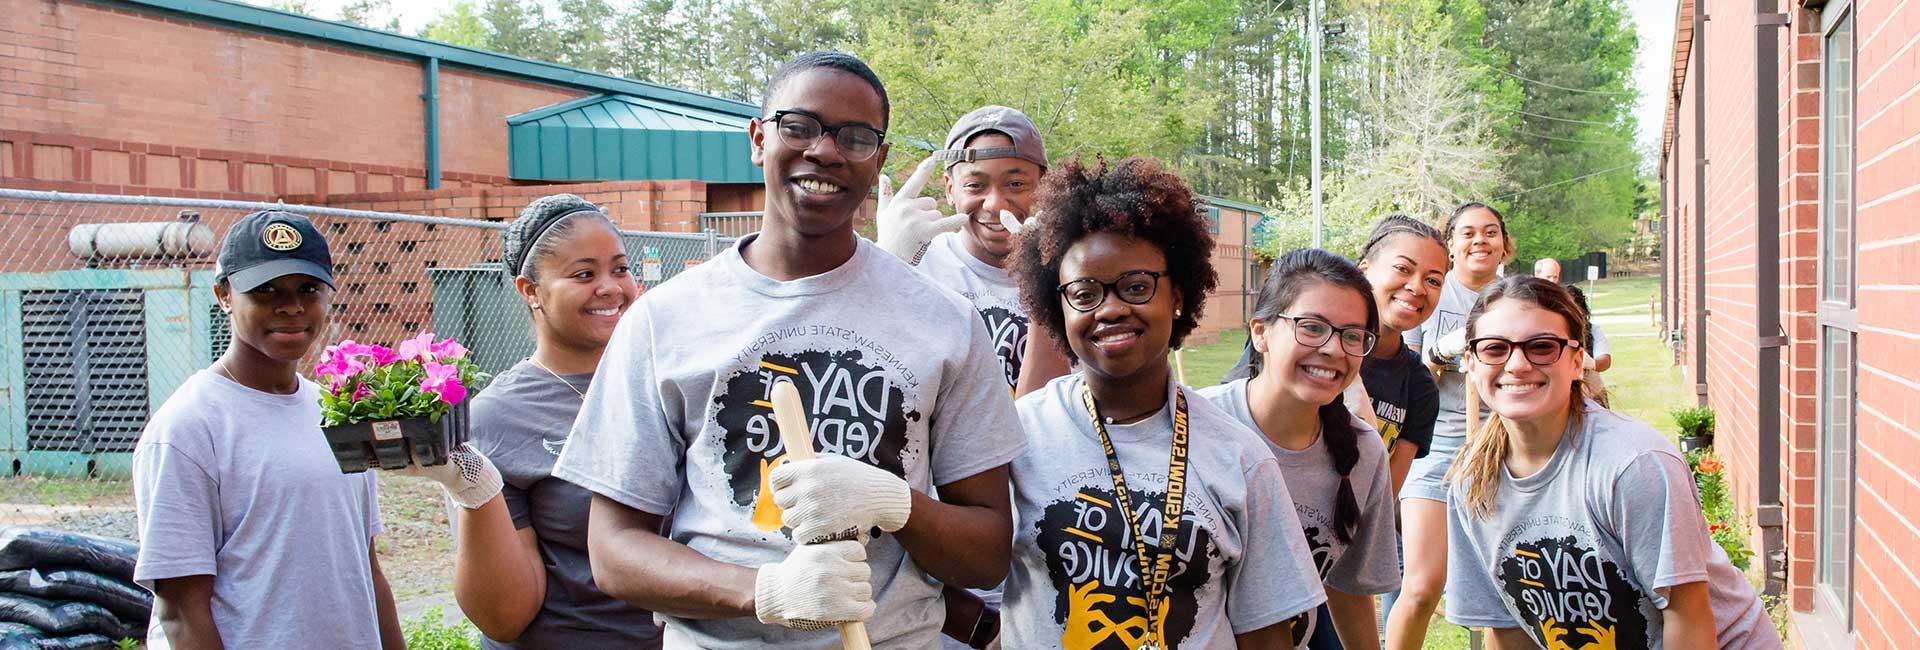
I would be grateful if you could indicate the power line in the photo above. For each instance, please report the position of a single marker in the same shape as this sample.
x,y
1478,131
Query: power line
x,y
1503,70
1557,119
1572,140
1570,180
1555,86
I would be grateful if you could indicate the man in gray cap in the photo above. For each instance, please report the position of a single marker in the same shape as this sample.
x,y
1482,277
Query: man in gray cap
x,y
993,160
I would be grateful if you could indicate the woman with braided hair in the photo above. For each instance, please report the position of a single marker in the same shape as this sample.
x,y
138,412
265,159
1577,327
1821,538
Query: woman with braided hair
x,y
1314,323
522,574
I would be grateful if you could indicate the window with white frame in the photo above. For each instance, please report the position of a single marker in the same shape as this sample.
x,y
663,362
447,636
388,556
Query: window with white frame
x,y
1833,573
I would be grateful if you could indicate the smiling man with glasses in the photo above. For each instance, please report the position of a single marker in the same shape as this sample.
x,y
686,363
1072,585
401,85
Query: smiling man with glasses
x,y
763,552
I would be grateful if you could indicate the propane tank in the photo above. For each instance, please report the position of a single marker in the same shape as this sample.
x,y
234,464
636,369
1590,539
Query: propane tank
x,y
140,240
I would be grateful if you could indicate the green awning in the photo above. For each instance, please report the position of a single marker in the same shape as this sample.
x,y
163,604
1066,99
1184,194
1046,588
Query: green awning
x,y
623,137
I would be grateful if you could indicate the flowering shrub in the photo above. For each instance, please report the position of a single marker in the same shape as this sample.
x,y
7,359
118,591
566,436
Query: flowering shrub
x,y
366,382
1710,479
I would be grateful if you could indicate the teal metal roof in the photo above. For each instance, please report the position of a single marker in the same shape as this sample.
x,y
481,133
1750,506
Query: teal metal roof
x,y
274,21
622,137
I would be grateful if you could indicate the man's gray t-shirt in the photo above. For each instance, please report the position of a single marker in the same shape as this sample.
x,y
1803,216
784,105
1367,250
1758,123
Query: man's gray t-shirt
x,y
520,422
1371,563
1240,561
679,422
239,484
1582,552
991,292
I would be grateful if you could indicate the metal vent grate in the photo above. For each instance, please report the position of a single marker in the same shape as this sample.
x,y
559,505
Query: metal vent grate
x,y
86,369
219,333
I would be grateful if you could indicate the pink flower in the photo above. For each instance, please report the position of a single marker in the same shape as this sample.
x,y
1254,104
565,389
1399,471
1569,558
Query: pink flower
x,y
444,382
337,364
449,349
419,348
381,355
361,392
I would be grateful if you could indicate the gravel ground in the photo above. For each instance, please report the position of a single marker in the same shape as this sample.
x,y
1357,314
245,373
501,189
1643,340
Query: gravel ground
x,y
416,552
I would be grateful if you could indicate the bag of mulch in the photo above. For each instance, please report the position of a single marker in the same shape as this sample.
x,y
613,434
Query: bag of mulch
x,y
18,636
76,642
29,548
123,599
63,619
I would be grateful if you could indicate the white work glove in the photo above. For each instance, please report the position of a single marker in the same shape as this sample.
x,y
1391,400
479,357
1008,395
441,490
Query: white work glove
x,y
1449,348
816,586
835,497
908,222
469,478
1586,361
1010,222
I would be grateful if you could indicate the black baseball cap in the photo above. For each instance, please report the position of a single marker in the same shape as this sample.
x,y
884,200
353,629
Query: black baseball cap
x,y
268,244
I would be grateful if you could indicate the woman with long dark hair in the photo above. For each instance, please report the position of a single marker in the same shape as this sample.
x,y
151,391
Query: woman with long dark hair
x,y
1313,324
1477,237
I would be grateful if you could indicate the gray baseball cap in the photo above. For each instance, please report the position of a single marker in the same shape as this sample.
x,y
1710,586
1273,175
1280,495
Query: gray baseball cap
x,y
994,119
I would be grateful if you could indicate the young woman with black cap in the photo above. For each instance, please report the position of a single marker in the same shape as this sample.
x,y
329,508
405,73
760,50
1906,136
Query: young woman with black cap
x,y
251,537
522,575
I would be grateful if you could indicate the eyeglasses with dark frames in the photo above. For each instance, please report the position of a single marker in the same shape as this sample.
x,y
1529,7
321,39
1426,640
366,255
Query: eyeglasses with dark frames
x,y
800,129
1313,332
1133,288
1542,350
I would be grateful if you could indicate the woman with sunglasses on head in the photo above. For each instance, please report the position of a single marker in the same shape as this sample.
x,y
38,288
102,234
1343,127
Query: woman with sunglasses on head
x,y
1573,526
522,574
1313,324
1406,263
1477,235
1147,517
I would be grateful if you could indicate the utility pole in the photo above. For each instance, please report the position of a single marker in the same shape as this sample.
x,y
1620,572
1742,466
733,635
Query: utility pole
x,y
1313,33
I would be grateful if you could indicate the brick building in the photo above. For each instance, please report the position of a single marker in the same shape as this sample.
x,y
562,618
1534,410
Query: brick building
x,y
225,100
1791,173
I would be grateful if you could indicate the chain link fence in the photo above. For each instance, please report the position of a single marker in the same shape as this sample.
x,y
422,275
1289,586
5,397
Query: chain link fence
x,y
106,306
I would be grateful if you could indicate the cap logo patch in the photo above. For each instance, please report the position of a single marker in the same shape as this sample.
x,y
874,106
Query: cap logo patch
x,y
280,237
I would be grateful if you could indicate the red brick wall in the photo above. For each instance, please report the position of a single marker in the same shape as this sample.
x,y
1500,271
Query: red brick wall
x,y
123,98
1888,192
1227,306
1887,125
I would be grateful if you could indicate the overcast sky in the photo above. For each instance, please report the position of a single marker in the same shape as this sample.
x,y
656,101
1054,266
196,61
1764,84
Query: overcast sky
x,y
1653,18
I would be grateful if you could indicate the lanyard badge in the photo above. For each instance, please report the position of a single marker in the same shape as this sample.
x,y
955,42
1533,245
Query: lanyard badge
x,y
1155,570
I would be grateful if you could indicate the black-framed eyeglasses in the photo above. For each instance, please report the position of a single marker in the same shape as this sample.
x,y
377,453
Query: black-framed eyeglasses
x,y
1133,288
799,129
1313,332
1540,350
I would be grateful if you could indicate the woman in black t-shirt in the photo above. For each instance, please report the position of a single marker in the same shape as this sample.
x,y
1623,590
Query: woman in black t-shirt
x,y
1406,261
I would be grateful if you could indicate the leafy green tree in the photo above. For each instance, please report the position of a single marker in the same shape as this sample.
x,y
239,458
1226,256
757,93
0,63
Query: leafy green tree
x,y
459,24
377,14
1086,74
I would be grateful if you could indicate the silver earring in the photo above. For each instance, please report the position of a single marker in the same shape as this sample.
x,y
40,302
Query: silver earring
x,y
1176,313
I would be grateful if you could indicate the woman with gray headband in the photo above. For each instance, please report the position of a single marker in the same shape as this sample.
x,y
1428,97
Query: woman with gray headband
x,y
522,574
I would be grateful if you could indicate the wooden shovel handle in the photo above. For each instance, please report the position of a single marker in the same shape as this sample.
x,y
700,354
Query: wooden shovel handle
x,y
797,437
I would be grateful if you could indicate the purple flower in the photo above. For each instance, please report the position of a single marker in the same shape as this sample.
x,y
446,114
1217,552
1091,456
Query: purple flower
x,y
448,349
419,348
360,392
444,382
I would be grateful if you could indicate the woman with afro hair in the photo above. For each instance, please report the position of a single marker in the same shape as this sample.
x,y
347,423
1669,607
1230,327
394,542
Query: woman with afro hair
x,y
1146,517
